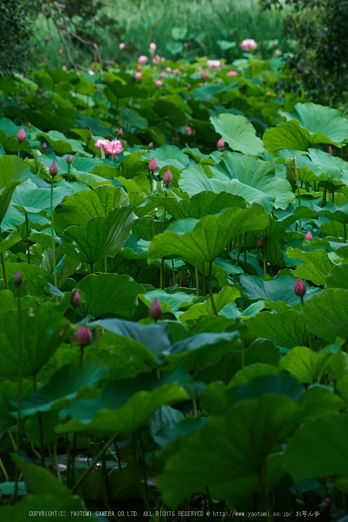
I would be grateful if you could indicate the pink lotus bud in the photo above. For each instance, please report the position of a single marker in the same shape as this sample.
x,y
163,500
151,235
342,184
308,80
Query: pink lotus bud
x,y
203,75
17,278
308,236
153,46
53,170
329,149
120,131
152,166
138,76
280,96
277,52
221,144
142,59
189,86
75,300
44,145
64,68
260,242
21,136
177,72
122,46
45,59
182,68
139,67
168,70
150,145
83,336
268,93
231,73
158,84
68,159
162,75
163,59
300,288
47,39
60,51
156,311
167,178
185,45
264,80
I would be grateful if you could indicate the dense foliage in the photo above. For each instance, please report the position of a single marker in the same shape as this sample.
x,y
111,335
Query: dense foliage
x,y
173,317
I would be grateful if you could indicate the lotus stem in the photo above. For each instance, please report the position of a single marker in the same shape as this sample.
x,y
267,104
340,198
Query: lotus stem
x,y
3,266
345,232
20,377
197,279
53,242
323,200
245,248
162,274
173,272
211,290
239,249
40,426
27,228
264,257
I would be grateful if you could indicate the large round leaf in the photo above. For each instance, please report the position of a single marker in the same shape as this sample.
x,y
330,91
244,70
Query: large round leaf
x,y
12,167
238,132
326,314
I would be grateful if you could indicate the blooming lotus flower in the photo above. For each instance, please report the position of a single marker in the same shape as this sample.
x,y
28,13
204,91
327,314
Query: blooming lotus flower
x,y
220,144
248,44
53,170
75,300
100,143
152,166
308,236
300,288
21,136
231,73
167,178
142,59
83,336
122,46
153,46
158,84
138,76
213,65
155,311
113,147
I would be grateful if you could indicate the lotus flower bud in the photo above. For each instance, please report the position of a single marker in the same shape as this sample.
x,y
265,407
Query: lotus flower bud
x,y
139,67
220,144
75,300
138,76
153,46
308,236
64,68
44,145
68,159
17,278
185,45
152,166
300,288
83,336
291,172
177,72
150,145
21,136
260,242
158,84
156,311
203,75
53,170
189,86
47,39
122,46
60,51
167,178
329,149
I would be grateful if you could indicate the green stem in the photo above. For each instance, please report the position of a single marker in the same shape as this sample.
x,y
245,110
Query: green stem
x,y
19,151
164,220
243,354
204,292
118,456
162,274
28,242
264,258
345,232
53,242
173,272
194,402
73,460
20,376
245,249
3,266
56,460
323,200
105,265
40,426
211,290
68,172
197,279
239,248
93,463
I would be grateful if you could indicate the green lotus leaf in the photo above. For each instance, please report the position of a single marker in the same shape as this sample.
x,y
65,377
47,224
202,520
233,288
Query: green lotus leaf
x,y
316,265
280,289
338,277
6,196
30,198
12,168
61,144
209,237
100,237
304,364
238,132
330,167
286,329
326,314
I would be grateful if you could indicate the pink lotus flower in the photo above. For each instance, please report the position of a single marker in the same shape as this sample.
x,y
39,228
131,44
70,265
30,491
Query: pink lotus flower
x,y
156,59
203,75
138,76
53,170
142,59
163,59
213,65
220,144
177,72
189,131
64,68
44,145
119,131
277,52
308,236
47,39
162,75
189,86
122,46
329,149
60,51
231,73
300,288
110,147
139,67
268,93
167,178
155,311
158,84
168,70
150,145
153,46
152,166
68,159
75,300
83,336
21,136
248,44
